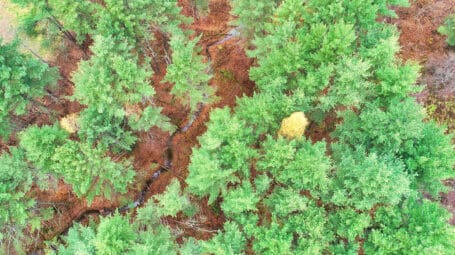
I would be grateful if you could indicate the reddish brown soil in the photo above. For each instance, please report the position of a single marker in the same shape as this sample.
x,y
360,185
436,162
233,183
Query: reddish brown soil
x,y
230,67
421,42
230,77
418,25
419,38
60,198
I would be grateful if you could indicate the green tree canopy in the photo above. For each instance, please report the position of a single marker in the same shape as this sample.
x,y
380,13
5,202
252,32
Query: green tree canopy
x,y
89,171
358,190
448,29
22,80
116,234
15,209
110,82
188,73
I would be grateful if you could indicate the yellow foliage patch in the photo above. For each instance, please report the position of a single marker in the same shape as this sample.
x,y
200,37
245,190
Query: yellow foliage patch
x,y
69,123
293,126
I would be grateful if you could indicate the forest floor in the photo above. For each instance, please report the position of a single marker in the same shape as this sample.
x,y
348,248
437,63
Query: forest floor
x,y
7,23
8,30
159,156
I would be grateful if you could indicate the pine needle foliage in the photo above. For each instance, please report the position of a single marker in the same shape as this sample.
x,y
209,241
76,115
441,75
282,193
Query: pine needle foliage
x,y
231,136
79,240
114,235
79,17
16,209
40,144
172,201
105,130
23,80
230,241
414,227
364,180
110,80
134,21
123,20
117,234
364,188
402,133
360,189
39,21
89,171
188,72
448,29
252,15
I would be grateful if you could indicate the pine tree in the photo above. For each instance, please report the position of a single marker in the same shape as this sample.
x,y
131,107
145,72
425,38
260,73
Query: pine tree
x,y
188,73
362,189
415,227
79,240
146,235
224,152
122,20
133,21
172,201
252,15
363,180
402,133
150,116
89,171
111,78
231,241
40,143
107,83
23,79
105,130
114,235
41,19
15,212
239,200
76,16
297,163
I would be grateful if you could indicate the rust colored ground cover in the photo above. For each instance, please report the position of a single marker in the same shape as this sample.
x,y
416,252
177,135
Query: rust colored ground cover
x,y
230,64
